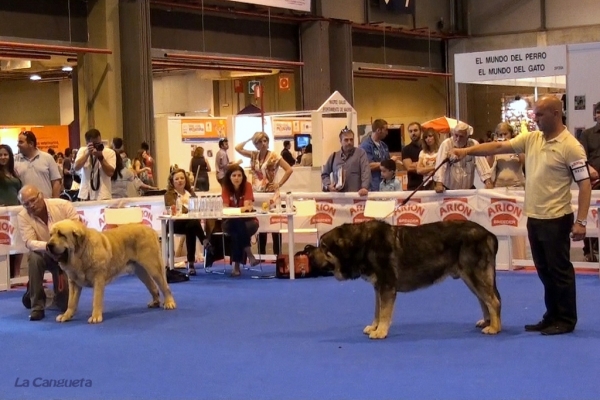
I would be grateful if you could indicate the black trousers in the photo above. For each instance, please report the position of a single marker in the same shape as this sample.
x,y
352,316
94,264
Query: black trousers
x,y
550,243
590,244
38,263
192,229
262,243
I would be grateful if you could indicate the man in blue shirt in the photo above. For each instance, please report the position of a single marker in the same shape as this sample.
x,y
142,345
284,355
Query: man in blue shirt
x,y
377,151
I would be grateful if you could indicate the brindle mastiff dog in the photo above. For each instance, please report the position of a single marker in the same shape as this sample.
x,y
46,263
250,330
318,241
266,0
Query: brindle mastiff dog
x,y
404,258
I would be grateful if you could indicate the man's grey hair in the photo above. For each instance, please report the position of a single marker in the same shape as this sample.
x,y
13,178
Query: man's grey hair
x,y
462,126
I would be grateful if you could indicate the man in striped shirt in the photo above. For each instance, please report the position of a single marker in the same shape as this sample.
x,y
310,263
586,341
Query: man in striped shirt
x,y
461,174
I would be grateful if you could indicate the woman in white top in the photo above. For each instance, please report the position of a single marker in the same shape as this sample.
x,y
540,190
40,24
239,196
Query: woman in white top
x,y
264,165
123,178
507,169
306,160
430,143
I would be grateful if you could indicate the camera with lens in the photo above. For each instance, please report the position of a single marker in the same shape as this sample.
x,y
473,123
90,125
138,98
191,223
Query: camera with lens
x,y
99,146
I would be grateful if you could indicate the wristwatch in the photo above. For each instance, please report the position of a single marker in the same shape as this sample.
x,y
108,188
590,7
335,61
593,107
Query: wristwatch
x,y
581,222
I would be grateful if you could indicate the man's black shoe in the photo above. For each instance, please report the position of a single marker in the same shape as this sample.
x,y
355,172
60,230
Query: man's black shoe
x,y
540,326
37,315
557,330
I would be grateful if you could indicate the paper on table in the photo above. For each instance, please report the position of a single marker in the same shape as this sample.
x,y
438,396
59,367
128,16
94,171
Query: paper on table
x,y
232,210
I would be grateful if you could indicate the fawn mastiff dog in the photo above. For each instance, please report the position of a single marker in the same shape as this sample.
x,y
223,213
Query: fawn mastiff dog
x,y
93,259
405,258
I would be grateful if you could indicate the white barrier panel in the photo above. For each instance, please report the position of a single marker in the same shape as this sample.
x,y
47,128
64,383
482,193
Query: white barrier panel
x,y
499,210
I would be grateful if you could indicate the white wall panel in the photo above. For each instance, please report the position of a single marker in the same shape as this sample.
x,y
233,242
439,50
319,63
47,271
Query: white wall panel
x,y
582,81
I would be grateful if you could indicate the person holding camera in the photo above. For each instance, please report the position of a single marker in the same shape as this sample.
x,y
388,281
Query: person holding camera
x,y
96,165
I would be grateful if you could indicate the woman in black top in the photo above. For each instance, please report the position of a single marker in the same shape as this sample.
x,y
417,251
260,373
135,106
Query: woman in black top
x,y
200,168
10,184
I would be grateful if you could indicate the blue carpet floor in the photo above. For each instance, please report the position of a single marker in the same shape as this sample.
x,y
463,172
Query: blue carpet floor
x,y
272,339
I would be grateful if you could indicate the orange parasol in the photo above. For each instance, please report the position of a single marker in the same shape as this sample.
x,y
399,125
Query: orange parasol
x,y
443,125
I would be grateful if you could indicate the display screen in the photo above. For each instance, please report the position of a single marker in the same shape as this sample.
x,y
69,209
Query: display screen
x,y
394,139
301,141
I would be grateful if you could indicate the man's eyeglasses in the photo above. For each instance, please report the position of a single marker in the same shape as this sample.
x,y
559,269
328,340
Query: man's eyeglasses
x,y
31,202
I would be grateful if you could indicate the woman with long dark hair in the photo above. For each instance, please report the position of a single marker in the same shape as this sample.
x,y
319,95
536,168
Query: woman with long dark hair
x,y
200,168
237,192
140,168
10,184
122,178
179,188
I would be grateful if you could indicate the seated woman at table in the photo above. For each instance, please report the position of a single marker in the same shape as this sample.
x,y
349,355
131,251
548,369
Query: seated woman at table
x,y
179,187
237,192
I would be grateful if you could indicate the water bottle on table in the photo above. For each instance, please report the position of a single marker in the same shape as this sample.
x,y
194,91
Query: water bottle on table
x,y
289,202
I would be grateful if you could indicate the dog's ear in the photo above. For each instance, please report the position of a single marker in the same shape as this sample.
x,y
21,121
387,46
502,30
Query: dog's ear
x,y
308,248
342,243
79,235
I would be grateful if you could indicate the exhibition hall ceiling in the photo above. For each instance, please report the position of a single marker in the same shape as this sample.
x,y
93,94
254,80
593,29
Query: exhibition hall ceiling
x,y
24,66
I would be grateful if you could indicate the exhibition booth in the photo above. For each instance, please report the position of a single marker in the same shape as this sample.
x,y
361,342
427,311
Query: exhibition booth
x,y
55,136
564,69
177,137
498,210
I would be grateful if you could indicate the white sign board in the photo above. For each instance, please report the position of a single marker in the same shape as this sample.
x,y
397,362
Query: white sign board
x,y
510,64
336,103
298,5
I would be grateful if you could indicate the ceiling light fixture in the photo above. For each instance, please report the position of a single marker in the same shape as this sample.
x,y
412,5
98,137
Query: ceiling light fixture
x,y
35,77
67,68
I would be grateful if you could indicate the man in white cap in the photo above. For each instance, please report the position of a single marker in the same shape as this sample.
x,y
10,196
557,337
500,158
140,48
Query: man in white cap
x,y
461,174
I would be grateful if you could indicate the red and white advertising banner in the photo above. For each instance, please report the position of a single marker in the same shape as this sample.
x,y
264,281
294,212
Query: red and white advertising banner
x,y
499,210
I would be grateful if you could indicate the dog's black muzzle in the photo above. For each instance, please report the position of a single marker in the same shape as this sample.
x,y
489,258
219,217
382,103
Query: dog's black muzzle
x,y
51,250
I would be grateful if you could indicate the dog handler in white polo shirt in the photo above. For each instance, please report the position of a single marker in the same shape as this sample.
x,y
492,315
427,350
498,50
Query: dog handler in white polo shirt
x,y
553,160
96,165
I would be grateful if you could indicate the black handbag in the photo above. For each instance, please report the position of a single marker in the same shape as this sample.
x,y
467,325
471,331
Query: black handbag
x,y
174,276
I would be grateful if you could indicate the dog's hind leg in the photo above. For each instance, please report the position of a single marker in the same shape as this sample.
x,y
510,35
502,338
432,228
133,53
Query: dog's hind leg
x,y
143,275
370,328
158,274
74,293
484,287
387,298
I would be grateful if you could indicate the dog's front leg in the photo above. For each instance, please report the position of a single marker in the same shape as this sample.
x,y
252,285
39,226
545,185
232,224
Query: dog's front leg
x,y
73,303
98,302
370,328
386,312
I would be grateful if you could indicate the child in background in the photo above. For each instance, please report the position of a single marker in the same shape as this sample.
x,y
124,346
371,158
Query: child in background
x,y
389,182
